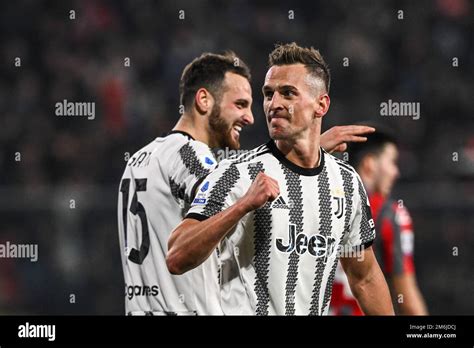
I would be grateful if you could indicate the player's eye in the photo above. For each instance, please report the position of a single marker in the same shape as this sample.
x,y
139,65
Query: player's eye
x,y
288,93
241,105
268,95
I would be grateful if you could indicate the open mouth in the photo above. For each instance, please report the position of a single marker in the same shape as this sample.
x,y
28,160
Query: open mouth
x,y
236,131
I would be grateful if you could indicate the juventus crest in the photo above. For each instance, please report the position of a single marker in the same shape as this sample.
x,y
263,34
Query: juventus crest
x,y
340,206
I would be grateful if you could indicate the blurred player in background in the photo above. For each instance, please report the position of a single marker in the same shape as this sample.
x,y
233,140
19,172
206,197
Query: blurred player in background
x,y
279,213
376,163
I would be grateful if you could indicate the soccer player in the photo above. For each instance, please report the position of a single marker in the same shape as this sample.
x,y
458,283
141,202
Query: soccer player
x,y
280,214
157,186
376,163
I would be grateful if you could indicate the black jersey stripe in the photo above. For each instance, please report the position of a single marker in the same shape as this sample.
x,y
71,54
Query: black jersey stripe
x,y
295,196
179,192
258,149
220,191
219,266
251,157
262,245
345,165
366,232
175,190
239,157
325,225
261,150
329,284
191,161
348,196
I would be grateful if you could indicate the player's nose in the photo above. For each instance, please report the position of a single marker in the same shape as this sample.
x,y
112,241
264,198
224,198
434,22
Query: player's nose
x,y
275,103
247,118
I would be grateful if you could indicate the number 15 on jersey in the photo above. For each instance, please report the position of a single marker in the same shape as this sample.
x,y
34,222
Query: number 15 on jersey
x,y
136,208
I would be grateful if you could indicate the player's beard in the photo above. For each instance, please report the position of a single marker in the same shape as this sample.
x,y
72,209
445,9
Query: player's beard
x,y
222,130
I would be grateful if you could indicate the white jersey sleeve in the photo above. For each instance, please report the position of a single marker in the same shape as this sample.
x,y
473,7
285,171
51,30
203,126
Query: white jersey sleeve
x,y
362,228
190,167
218,191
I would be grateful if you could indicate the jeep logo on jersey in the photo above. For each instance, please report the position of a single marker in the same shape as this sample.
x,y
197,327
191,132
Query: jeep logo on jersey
x,y
317,245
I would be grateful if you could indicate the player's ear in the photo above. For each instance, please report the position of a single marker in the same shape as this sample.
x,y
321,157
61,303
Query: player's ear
x,y
204,101
321,105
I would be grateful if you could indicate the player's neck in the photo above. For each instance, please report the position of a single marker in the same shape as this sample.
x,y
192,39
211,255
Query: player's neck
x,y
302,152
197,130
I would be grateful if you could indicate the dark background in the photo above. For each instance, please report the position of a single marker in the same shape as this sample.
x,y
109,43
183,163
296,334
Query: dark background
x,y
82,59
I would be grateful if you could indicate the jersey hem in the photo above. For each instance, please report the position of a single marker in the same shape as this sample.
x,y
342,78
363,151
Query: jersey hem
x,y
368,244
197,216
294,167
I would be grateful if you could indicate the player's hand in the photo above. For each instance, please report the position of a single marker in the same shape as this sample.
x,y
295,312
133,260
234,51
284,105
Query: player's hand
x,y
336,138
262,190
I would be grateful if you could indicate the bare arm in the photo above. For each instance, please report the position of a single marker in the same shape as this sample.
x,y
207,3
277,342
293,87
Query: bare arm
x,y
193,241
336,138
412,302
368,283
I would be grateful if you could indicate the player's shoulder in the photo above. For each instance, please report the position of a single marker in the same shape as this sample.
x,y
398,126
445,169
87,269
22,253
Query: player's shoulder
x,y
182,147
240,161
183,143
336,163
142,156
163,145
249,158
195,150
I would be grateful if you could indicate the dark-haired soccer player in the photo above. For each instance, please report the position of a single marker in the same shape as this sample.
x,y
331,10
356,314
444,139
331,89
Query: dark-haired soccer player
x,y
157,187
280,214
376,163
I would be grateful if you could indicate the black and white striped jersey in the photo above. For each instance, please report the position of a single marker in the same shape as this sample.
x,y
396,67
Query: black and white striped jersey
x,y
155,193
281,259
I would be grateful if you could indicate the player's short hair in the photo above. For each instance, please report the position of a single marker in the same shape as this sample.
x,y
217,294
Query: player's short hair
x,y
291,53
208,71
373,146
